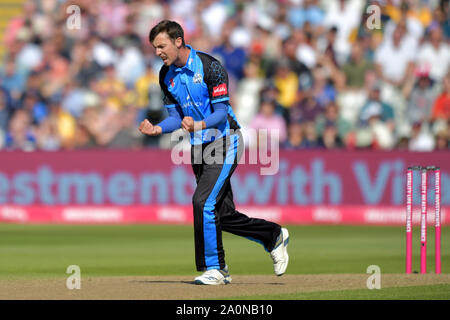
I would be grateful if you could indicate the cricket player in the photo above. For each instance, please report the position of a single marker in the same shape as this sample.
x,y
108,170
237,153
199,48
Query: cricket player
x,y
195,88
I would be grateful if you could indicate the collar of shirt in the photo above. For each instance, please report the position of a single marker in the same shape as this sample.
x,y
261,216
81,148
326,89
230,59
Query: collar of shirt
x,y
190,62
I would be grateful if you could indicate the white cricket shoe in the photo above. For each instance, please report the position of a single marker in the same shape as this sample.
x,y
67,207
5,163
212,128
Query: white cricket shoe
x,y
279,254
214,277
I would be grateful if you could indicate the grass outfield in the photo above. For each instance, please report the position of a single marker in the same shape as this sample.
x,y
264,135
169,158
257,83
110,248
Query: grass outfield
x,y
41,251
430,292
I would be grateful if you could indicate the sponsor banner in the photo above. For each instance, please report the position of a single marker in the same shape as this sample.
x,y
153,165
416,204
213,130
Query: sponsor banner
x,y
350,215
150,178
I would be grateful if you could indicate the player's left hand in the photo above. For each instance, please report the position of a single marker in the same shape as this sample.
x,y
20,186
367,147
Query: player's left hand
x,y
190,125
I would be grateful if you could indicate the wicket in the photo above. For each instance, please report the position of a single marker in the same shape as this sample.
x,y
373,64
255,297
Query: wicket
x,y
423,217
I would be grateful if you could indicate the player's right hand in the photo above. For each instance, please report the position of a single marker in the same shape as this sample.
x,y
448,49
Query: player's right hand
x,y
147,128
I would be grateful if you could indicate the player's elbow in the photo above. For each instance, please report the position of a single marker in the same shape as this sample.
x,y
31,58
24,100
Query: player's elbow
x,y
223,118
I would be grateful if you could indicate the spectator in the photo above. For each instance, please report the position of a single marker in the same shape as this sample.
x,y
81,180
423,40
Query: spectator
x,y
421,138
396,70
398,67
378,116
441,107
131,36
110,86
345,15
406,15
376,134
34,84
267,119
289,47
435,55
311,140
143,86
214,15
309,12
13,80
20,135
30,55
306,110
37,109
102,53
17,23
323,90
329,51
66,124
242,34
282,27
317,59
231,57
421,98
295,137
83,138
331,116
305,52
149,13
374,106
83,67
286,81
265,43
442,141
330,138
47,135
247,94
127,135
54,68
403,143
130,62
356,69
112,17
440,16
357,75
72,99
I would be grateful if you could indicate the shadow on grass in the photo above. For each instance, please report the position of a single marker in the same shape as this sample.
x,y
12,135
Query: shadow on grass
x,y
193,283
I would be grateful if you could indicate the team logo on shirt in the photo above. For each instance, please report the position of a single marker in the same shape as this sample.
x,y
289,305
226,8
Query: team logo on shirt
x,y
198,78
220,90
172,84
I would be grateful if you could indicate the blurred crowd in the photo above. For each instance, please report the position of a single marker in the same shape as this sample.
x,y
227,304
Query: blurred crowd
x,y
328,74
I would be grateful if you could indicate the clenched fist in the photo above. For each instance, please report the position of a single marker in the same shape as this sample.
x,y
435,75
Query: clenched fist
x,y
147,128
189,125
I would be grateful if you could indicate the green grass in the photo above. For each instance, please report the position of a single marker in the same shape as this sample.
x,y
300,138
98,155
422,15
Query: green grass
x,y
46,251
38,251
431,292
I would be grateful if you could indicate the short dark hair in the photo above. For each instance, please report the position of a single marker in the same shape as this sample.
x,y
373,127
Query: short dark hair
x,y
172,28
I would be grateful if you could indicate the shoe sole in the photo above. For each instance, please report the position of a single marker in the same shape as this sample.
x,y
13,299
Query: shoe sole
x,y
227,280
285,244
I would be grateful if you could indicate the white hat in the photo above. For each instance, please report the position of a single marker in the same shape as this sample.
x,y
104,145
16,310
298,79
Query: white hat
x,y
372,110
